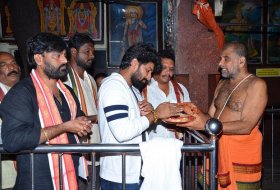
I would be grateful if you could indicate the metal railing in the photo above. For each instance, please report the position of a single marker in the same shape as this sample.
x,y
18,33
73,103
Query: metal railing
x,y
270,129
196,146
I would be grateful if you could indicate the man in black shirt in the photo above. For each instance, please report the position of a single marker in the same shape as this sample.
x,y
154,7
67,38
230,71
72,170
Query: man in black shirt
x,y
40,109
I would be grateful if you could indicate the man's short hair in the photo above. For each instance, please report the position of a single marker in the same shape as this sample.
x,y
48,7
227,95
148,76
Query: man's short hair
x,y
79,39
143,52
168,54
100,75
239,48
43,42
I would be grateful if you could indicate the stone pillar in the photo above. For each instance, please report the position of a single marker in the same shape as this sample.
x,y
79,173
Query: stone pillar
x,y
197,53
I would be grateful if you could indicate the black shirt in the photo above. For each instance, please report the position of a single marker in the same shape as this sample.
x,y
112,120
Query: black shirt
x,y
21,130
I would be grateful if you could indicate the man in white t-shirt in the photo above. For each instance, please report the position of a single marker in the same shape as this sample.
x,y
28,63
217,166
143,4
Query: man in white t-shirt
x,y
164,89
9,76
124,117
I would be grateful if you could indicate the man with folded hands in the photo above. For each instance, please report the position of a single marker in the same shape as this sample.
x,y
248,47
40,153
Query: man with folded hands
x,y
40,109
124,116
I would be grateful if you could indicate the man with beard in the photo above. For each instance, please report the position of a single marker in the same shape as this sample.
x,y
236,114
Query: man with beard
x,y
40,109
123,116
82,55
164,89
239,102
9,76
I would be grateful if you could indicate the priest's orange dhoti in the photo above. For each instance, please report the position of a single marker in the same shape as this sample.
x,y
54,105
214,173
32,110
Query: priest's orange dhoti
x,y
240,161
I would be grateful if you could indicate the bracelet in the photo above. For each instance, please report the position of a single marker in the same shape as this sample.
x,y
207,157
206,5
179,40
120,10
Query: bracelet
x,y
46,135
155,115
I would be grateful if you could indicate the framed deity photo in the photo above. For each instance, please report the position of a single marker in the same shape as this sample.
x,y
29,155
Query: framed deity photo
x,y
86,17
241,21
131,22
274,32
66,17
5,22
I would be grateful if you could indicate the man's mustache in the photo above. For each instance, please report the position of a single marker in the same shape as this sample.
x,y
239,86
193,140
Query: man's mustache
x,y
90,61
145,81
61,66
170,77
12,73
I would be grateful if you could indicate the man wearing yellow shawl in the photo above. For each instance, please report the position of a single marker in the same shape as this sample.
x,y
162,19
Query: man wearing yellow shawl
x,y
239,102
40,109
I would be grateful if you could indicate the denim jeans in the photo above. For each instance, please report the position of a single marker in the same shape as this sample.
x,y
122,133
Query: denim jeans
x,y
109,185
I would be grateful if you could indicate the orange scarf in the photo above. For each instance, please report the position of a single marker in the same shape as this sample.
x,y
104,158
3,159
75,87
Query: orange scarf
x,y
76,85
50,116
178,91
205,15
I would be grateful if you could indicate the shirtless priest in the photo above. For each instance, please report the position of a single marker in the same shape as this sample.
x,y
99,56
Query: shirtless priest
x,y
239,102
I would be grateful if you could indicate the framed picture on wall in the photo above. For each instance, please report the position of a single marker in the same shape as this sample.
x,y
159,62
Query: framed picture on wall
x,y
241,21
52,16
131,22
274,32
66,17
86,16
6,32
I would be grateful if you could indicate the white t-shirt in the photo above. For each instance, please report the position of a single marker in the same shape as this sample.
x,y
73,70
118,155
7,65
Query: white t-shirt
x,y
120,122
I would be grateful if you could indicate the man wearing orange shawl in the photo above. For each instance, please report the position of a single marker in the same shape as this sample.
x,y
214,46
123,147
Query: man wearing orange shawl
x,y
239,102
81,47
40,109
205,15
82,55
